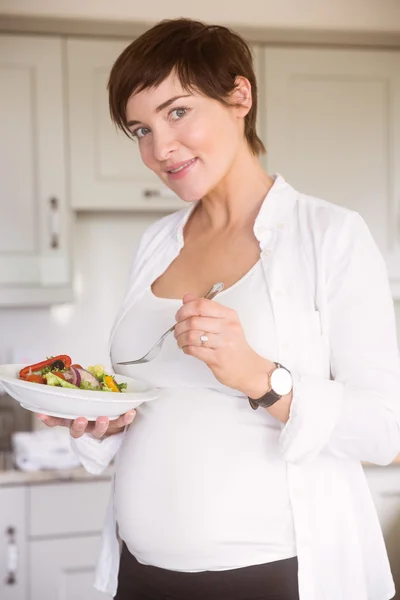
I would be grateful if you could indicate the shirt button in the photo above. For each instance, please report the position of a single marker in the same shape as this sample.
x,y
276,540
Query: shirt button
x,y
281,225
278,294
267,252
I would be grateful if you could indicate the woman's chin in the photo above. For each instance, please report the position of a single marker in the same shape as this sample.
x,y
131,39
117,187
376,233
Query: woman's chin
x,y
190,195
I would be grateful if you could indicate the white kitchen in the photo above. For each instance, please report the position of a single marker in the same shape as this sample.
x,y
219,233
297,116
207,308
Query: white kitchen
x,y
75,199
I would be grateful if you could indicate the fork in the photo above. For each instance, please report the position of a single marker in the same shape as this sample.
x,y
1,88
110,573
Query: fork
x,y
156,349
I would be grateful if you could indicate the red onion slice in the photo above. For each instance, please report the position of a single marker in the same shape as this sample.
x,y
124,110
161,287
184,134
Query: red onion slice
x,y
77,374
73,376
86,376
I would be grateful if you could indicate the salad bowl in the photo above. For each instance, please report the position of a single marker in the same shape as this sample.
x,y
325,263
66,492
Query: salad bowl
x,y
71,402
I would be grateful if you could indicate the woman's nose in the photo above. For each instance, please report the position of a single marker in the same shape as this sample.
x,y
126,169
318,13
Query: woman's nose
x,y
164,144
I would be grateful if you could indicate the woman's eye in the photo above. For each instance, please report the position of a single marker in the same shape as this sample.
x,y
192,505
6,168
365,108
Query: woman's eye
x,y
141,132
178,113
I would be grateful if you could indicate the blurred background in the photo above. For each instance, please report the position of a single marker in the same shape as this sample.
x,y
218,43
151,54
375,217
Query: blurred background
x,y
75,199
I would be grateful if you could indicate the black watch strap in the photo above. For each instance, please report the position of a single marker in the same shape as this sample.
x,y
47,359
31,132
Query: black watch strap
x,y
268,399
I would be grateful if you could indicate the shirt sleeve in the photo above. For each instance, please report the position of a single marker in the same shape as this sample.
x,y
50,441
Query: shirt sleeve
x,y
355,414
95,455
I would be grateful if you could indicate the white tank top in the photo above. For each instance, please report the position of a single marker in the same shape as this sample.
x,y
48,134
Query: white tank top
x,y
200,483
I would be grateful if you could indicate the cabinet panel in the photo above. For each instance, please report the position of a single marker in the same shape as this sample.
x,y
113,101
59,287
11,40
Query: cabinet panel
x,y
13,559
333,130
68,508
34,248
106,169
69,573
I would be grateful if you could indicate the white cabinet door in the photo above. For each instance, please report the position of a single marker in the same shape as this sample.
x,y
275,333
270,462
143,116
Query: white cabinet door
x,y
333,131
63,569
70,508
384,483
106,169
34,253
13,559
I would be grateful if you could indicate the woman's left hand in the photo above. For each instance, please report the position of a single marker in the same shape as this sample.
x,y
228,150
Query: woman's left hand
x,y
227,352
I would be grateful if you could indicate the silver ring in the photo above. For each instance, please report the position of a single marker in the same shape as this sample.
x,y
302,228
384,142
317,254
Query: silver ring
x,y
204,339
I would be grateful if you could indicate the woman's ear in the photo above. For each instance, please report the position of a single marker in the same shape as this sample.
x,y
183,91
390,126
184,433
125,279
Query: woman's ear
x,y
241,96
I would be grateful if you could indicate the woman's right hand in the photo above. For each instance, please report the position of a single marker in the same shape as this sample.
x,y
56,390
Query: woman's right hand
x,y
98,429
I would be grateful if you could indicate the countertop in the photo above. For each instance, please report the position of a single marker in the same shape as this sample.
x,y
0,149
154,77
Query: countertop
x,y
17,477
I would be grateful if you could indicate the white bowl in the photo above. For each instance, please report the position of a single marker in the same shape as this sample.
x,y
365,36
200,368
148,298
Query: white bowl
x,y
69,403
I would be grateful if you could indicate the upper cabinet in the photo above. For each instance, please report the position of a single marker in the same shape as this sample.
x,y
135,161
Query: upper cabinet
x,y
107,172
106,169
333,130
34,240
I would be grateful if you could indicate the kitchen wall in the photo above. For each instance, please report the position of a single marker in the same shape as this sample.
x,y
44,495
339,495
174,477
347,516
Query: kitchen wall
x,y
357,15
103,247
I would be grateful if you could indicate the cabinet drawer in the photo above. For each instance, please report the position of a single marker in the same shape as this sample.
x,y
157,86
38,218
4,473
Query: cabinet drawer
x,y
64,568
68,508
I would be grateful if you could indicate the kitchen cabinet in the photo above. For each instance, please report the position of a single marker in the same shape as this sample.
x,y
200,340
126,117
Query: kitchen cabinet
x,y
56,528
69,569
333,130
34,214
106,169
13,544
65,522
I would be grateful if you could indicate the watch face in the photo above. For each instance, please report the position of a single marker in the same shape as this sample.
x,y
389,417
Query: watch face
x,y
281,381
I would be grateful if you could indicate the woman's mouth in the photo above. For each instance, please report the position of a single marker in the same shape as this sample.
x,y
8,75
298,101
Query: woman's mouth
x,y
180,169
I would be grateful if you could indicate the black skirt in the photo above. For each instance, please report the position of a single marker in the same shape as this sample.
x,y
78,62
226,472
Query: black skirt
x,y
270,581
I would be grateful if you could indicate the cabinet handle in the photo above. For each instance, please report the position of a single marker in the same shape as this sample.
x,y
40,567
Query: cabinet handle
x,y
163,192
11,557
152,193
54,223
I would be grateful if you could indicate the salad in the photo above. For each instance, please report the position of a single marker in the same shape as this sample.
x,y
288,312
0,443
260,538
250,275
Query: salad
x,y
59,370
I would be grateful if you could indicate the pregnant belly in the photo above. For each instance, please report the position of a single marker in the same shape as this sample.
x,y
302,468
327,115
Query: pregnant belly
x,y
191,476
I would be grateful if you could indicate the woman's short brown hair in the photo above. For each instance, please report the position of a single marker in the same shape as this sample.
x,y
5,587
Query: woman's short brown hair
x,y
206,58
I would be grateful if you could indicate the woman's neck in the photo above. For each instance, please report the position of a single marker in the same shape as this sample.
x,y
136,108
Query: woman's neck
x,y
237,199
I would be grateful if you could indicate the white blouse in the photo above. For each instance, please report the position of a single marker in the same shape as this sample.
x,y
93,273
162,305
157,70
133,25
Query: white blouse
x,y
199,459
335,330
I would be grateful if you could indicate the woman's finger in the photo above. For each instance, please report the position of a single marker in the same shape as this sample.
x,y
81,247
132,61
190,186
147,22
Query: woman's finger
x,y
207,355
193,338
122,421
204,308
78,427
210,324
81,425
100,427
54,421
129,417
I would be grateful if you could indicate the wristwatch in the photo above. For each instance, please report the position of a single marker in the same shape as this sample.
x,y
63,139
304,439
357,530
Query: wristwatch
x,y
280,384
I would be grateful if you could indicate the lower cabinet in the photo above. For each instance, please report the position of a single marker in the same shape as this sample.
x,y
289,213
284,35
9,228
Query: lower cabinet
x,y
13,546
63,569
50,539
50,535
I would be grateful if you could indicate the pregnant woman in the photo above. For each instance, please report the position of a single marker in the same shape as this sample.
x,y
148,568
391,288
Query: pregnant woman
x,y
242,481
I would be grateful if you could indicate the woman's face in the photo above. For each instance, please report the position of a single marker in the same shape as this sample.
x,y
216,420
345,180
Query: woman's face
x,y
190,141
